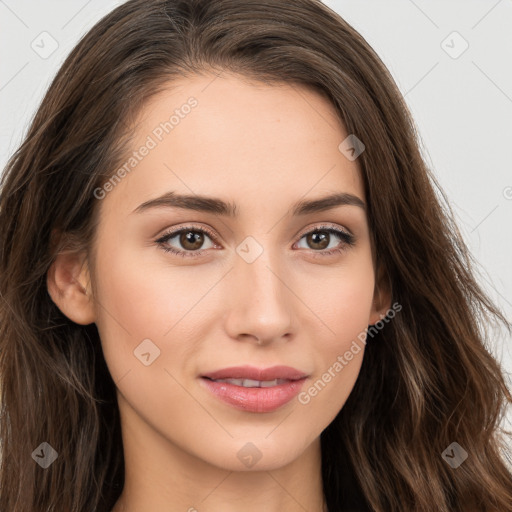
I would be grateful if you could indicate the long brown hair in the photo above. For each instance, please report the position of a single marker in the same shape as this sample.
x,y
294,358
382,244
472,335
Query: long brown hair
x,y
427,380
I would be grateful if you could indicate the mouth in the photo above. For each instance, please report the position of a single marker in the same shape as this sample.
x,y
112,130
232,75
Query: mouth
x,y
253,389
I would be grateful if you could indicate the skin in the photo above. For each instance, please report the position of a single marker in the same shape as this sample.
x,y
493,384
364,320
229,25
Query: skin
x,y
263,147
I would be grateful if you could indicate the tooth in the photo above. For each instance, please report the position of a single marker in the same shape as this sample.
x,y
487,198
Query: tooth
x,y
236,382
249,383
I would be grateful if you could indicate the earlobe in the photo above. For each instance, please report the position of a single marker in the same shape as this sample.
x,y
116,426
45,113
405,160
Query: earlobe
x,y
68,284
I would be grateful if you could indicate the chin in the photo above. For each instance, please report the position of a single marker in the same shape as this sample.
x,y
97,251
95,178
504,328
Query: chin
x,y
257,453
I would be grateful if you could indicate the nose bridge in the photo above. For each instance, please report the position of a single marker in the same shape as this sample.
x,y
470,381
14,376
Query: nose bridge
x,y
260,300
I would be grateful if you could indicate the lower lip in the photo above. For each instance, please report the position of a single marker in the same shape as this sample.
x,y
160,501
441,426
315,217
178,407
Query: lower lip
x,y
255,399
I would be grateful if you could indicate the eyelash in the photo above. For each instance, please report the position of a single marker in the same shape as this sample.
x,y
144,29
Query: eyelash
x,y
348,240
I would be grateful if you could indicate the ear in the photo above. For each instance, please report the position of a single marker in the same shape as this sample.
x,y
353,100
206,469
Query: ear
x,y
68,284
381,297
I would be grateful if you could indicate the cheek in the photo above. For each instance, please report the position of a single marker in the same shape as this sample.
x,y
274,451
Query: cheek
x,y
341,298
132,306
342,305
141,295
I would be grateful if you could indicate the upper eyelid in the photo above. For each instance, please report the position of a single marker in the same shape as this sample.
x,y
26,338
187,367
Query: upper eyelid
x,y
326,225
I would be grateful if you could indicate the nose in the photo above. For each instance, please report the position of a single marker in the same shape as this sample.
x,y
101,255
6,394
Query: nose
x,y
260,305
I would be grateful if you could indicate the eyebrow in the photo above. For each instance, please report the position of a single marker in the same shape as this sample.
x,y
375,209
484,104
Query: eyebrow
x,y
219,207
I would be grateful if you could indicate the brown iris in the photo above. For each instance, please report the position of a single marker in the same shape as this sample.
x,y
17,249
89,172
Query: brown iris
x,y
192,240
318,237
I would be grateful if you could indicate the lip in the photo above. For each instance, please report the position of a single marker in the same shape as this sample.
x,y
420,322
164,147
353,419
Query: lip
x,y
255,399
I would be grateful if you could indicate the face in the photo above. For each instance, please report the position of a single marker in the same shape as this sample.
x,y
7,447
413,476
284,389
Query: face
x,y
184,288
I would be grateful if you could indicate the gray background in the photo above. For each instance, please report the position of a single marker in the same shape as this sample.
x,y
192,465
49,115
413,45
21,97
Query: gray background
x,y
461,100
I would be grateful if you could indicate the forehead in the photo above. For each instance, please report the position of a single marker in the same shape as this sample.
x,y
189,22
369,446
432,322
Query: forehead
x,y
248,142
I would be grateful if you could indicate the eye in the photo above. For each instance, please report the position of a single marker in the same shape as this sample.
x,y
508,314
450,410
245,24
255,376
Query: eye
x,y
190,238
321,237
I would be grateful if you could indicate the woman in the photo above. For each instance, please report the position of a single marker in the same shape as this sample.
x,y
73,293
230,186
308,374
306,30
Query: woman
x,y
228,283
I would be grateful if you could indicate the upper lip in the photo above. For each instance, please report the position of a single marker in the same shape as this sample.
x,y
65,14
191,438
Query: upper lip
x,y
259,374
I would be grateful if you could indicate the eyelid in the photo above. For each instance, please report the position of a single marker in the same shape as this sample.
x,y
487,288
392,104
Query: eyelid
x,y
319,227
212,235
